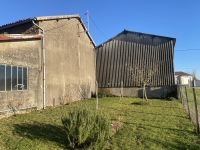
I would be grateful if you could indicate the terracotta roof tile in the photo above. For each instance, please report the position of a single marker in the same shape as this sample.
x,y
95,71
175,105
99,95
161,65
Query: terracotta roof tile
x,y
180,73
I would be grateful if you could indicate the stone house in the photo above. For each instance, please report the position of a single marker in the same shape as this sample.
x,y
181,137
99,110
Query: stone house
x,y
45,61
183,78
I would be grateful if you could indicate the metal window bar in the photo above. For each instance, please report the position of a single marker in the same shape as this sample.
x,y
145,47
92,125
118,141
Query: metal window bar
x,y
11,76
4,80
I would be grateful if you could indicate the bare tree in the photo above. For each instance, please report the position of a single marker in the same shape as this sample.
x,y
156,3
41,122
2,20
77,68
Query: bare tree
x,y
141,75
84,90
194,74
14,106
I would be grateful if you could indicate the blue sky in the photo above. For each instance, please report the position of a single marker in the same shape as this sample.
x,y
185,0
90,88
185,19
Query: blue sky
x,y
174,18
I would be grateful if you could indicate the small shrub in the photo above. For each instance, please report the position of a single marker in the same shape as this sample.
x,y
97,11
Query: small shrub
x,y
86,129
101,95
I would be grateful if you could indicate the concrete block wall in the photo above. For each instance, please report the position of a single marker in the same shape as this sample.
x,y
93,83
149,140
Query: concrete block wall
x,y
152,92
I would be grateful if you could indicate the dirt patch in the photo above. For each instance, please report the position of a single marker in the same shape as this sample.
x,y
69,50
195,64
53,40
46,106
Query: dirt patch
x,y
115,125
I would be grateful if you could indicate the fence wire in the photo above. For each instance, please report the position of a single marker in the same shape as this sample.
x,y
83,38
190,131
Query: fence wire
x,y
190,98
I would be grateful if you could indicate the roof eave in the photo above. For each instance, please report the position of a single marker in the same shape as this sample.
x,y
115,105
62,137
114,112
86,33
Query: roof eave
x,y
87,32
16,23
11,37
43,18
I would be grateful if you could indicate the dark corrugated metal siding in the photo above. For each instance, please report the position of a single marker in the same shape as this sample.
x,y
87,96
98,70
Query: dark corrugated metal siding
x,y
127,48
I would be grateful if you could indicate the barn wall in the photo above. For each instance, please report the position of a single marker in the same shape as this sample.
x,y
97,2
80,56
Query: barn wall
x,y
115,56
26,54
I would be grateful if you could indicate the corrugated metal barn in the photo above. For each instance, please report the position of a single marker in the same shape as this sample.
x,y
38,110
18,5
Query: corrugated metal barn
x,y
128,48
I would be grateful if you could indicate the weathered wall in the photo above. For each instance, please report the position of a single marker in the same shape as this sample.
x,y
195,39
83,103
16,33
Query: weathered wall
x,y
27,54
152,92
70,65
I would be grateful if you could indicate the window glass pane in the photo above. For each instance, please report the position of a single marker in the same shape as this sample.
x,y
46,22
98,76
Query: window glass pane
x,y
20,85
14,77
25,75
8,78
2,77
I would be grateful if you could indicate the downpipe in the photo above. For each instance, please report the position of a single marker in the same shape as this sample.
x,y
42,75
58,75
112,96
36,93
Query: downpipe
x,y
43,62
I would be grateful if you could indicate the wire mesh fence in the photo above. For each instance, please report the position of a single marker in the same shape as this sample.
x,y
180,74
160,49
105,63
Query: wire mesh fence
x,y
190,98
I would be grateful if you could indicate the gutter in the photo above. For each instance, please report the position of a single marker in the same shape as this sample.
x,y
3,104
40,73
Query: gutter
x,y
43,62
10,37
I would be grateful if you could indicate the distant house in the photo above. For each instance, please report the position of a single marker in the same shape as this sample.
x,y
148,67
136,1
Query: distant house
x,y
45,61
129,48
183,78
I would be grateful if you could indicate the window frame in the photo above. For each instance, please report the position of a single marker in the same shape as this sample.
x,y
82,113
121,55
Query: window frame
x,y
11,76
4,76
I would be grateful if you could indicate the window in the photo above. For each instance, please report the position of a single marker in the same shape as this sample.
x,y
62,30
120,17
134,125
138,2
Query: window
x,y
8,78
13,78
2,77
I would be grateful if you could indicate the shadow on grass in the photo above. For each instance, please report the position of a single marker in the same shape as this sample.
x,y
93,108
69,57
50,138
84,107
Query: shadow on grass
x,y
160,114
174,142
178,144
43,132
141,103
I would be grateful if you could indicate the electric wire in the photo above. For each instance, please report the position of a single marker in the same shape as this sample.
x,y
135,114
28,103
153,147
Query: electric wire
x,y
97,27
187,49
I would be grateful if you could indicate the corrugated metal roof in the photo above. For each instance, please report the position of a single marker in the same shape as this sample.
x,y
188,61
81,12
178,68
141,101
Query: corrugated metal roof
x,y
8,25
8,37
180,73
139,34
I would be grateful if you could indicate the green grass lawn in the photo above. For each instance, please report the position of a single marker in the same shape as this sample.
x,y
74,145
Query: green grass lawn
x,y
158,125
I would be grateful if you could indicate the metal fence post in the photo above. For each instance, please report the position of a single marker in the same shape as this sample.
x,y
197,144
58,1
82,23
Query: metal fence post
x,y
53,102
194,83
183,97
187,102
121,93
180,92
196,109
97,101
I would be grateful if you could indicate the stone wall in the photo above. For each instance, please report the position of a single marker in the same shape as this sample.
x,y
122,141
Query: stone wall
x,y
27,54
70,64
70,59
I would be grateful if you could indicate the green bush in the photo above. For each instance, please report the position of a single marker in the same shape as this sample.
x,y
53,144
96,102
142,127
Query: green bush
x,y
86,128
101,95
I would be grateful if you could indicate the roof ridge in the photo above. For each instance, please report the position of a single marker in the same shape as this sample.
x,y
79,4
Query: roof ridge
x,y
134,32
38,18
